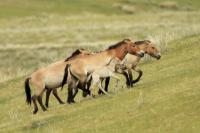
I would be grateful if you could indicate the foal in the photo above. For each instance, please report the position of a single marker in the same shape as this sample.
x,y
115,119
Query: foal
x,y
102,72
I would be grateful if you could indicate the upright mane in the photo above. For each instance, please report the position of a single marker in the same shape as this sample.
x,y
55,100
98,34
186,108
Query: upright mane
x,y
142,42
117,44
75,53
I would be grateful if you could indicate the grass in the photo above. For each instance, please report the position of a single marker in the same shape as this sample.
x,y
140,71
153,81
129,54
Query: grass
x,y
36,33
166,100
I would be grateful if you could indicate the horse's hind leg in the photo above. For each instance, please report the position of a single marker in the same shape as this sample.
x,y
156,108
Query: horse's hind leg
x,y
55,93
48,92
39,98
70,93
34,98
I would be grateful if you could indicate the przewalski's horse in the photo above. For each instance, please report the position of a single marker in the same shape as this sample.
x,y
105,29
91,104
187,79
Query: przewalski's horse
x,y
49,78
131,62
102,72
83,66
75,54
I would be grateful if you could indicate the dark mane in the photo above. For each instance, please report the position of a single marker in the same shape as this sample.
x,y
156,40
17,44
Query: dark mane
x,y
75,53
142,42
117,44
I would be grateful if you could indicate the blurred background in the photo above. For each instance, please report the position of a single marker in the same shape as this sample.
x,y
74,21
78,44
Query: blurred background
x,y
38,32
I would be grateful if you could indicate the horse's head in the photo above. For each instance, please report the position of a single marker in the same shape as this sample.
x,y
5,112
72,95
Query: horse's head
x,y
133,48
149,48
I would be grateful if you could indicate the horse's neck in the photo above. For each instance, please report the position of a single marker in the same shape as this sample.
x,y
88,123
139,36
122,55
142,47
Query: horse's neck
x,y
119,53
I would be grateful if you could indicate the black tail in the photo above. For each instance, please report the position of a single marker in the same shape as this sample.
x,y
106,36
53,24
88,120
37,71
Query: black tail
x,y
65,75
28,91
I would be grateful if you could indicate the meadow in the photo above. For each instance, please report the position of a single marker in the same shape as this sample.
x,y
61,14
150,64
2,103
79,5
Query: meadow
x,y
36,33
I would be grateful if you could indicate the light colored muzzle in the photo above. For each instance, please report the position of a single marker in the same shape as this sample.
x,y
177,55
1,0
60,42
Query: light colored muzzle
x,y
140,53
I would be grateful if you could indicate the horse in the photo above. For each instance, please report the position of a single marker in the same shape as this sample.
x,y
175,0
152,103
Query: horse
x,y
102,72
131,62
49,78
83,66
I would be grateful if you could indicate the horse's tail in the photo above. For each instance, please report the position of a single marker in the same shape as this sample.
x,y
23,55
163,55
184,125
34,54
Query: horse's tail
x,y
28,91
65,76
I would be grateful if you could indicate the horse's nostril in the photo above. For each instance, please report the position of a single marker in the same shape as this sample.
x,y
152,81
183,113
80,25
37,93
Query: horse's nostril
x,y
158,57
142,54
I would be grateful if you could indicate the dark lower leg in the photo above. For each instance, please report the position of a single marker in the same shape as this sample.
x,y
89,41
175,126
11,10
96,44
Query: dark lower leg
x,y
35,104
130,77
70,93
128,82
73,96
57,97
48,92
39,98
87,90
107,81
138,78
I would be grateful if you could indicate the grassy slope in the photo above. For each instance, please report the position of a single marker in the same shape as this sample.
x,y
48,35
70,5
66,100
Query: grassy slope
x,y
166,100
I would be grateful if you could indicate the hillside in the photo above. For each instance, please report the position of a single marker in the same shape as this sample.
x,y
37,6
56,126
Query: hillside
x,y
36,33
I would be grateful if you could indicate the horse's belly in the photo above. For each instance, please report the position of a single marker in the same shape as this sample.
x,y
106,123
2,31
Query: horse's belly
x,y
53,81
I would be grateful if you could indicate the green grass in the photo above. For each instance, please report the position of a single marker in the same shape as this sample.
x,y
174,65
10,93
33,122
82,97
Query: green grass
x,y
21,8
35,33
166,100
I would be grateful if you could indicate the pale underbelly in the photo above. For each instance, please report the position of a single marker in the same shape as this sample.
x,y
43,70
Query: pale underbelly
x,y
52,82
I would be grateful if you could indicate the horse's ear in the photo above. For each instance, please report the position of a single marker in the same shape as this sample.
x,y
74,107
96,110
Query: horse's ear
x,y
148,41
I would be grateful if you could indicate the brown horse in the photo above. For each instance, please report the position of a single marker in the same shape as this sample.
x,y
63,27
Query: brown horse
x,y
83,66
102,72
131,62
75,54
49,78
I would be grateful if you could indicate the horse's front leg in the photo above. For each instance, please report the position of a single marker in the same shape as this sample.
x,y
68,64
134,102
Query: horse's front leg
x,y
101,88
55,93
130,77
75,89
128,82
139,76
107,81
70,93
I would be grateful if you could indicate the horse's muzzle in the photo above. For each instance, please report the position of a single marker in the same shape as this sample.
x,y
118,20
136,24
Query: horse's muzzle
x,y
158,57
140,54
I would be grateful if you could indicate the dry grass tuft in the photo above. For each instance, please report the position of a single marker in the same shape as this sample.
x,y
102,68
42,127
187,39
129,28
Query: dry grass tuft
x,y
169,5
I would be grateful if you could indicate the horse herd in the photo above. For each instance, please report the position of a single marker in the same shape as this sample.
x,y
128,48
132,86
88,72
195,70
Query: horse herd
x,y
85,69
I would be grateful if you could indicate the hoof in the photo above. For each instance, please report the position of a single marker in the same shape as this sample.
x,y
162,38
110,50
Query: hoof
x,y
62,102
128,86
73,101
35,111
44,109
47,106
93,96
